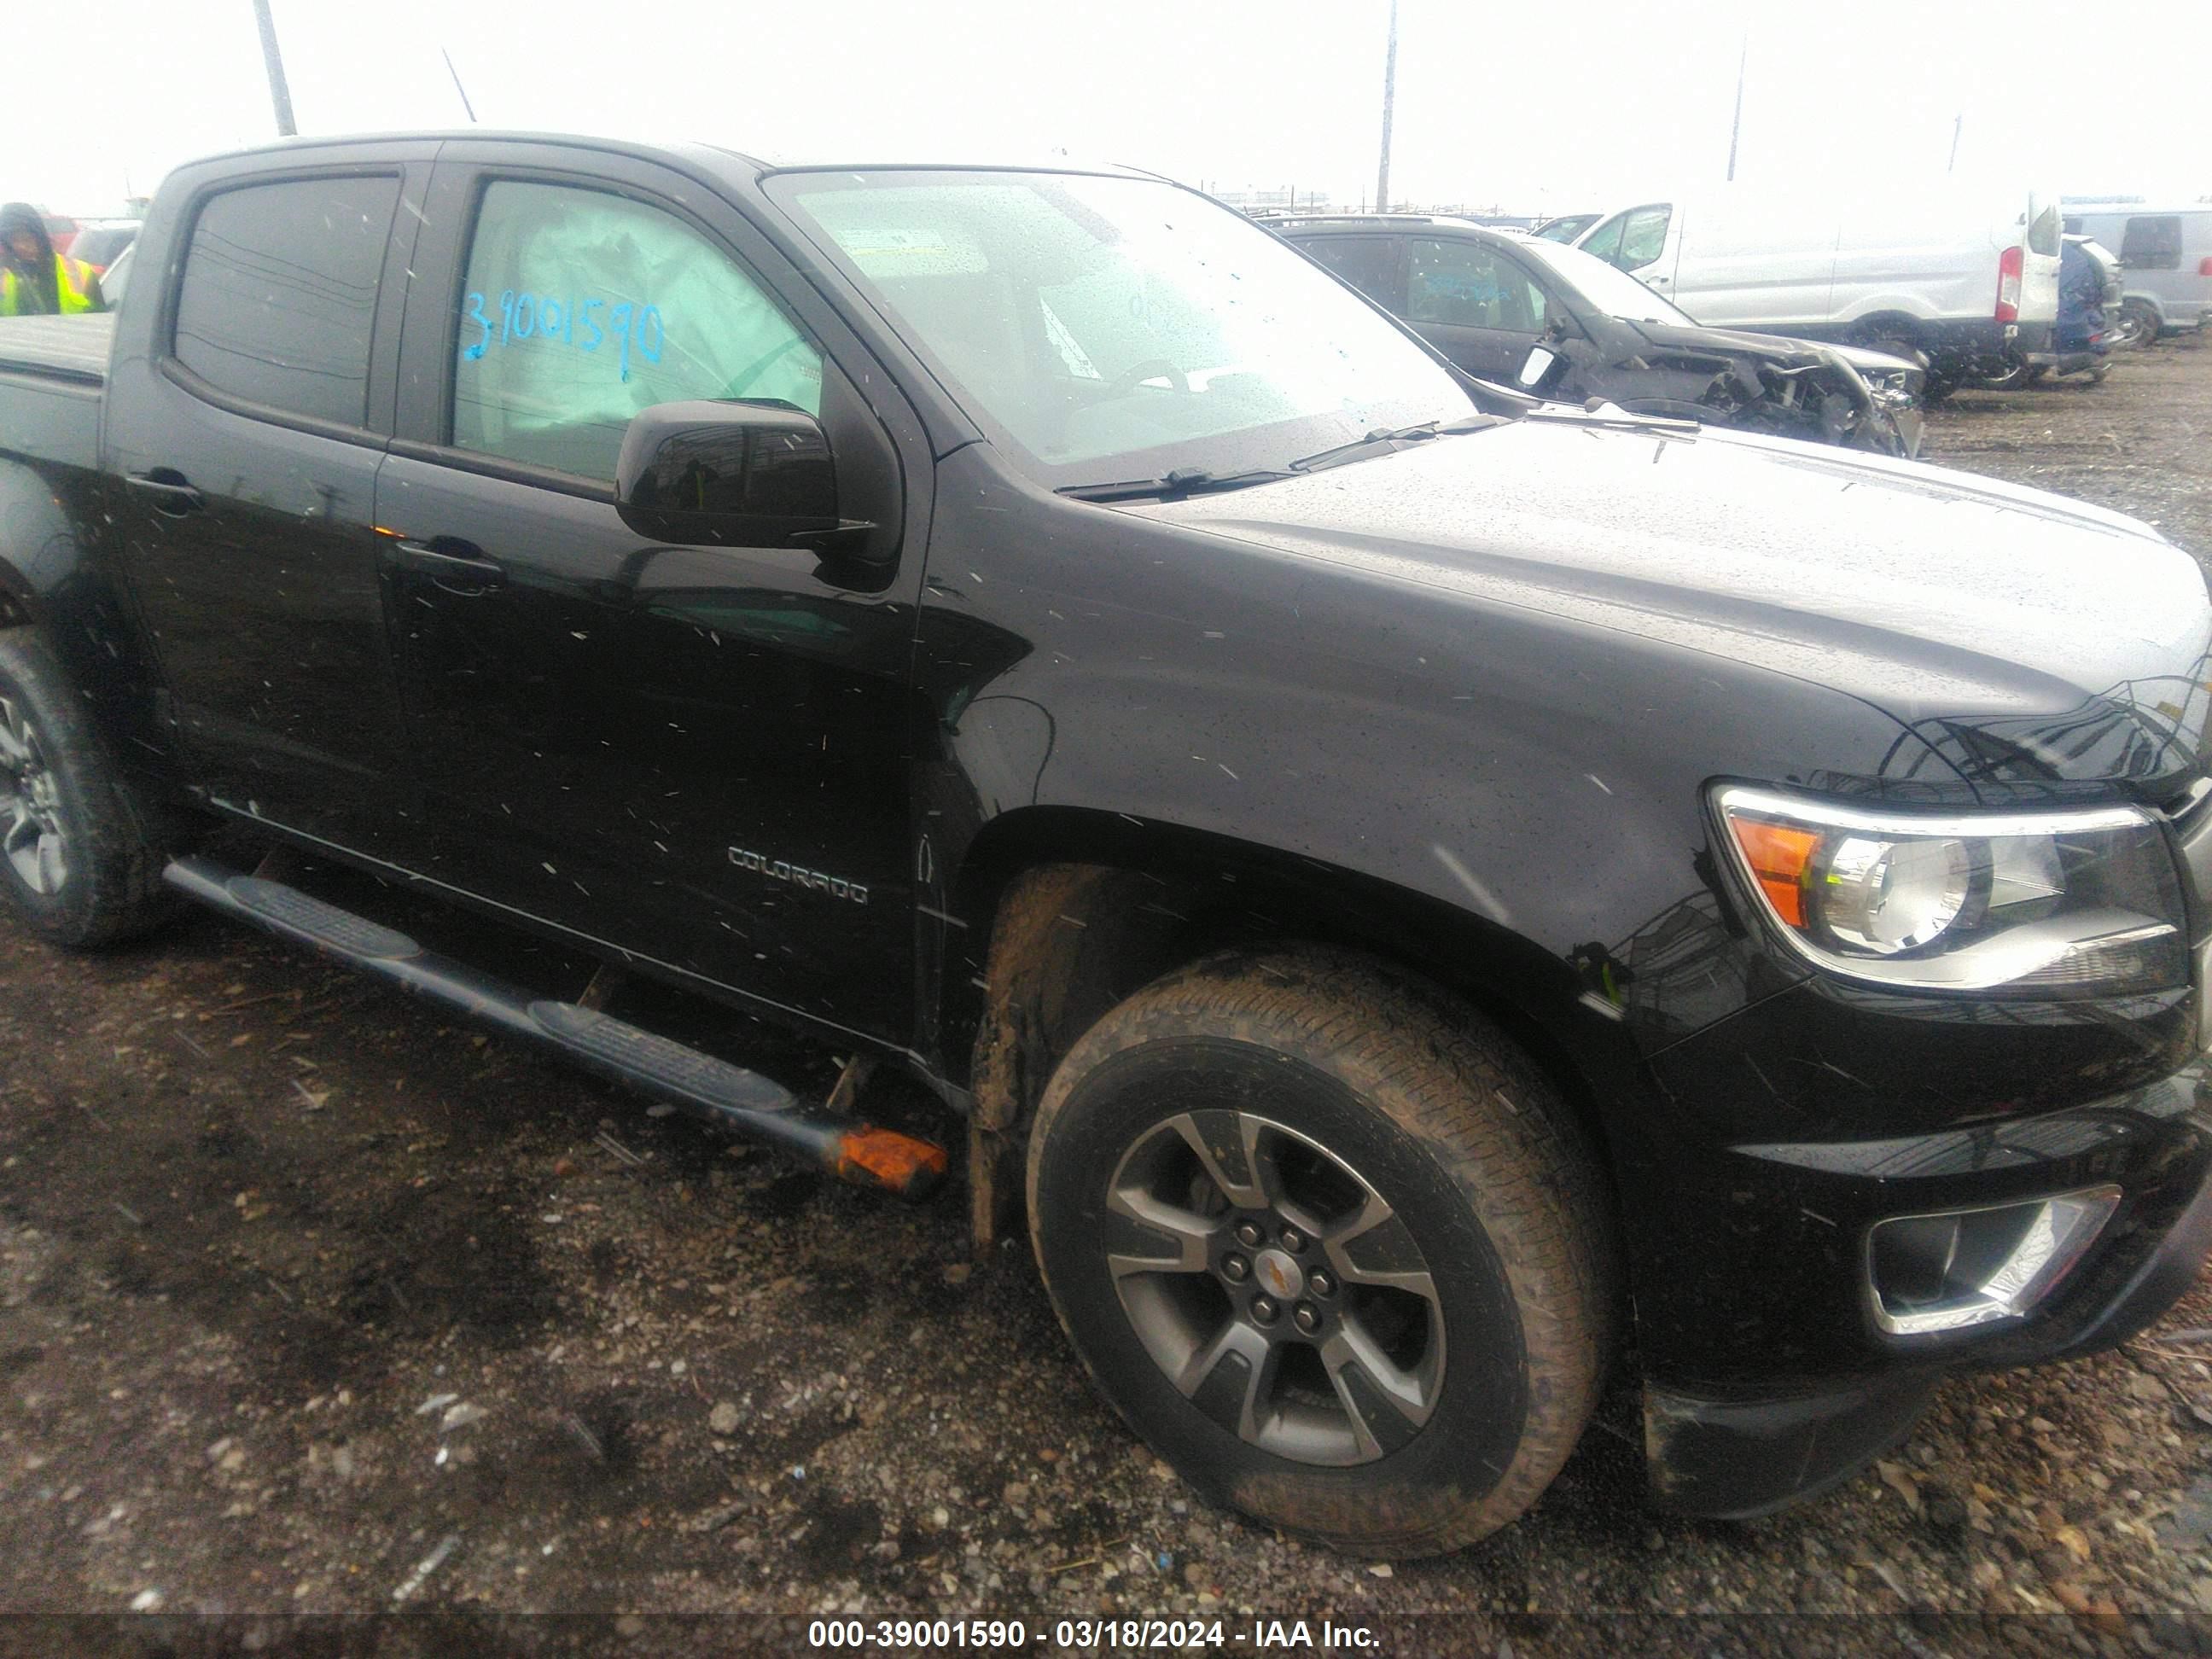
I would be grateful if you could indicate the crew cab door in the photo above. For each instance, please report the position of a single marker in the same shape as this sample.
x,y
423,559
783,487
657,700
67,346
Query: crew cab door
x,y
697,755
247,431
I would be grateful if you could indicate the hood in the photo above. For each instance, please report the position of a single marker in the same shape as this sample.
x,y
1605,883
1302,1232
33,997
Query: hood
x,y
1776,348
2025,637
1872,363
1727,342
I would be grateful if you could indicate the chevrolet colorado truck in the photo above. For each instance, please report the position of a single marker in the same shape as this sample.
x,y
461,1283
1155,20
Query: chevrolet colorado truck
x,y
1433,904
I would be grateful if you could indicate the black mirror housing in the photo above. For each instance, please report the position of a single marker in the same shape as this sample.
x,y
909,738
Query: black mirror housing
x,y
1536,368
727,474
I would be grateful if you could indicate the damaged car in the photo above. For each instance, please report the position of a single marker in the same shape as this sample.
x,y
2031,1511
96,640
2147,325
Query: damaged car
x,y
1565,325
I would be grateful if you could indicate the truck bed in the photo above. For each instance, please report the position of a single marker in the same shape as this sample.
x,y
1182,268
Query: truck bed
x,y
51,372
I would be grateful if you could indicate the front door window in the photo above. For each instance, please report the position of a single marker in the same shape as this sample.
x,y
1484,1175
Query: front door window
x,y
1468,284
580,308
1643,237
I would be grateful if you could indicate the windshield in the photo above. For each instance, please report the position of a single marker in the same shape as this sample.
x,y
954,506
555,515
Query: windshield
x,y
1109,329
1566,228
1611,290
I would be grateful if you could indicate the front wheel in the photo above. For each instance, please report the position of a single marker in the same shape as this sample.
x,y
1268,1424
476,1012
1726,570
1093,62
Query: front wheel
x,y
1330,1244
2136,325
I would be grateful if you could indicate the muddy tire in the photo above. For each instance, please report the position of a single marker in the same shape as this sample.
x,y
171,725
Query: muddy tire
x,y
77,864
1331,1244
2136,324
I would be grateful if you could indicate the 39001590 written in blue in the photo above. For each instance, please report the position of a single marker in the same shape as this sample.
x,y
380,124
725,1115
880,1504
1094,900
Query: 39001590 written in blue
x,y
527,316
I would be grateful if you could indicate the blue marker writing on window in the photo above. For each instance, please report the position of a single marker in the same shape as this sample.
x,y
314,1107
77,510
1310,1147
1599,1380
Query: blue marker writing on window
x,y
551,318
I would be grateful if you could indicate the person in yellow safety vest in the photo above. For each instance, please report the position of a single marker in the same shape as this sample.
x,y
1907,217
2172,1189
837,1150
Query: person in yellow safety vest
x,y
34,280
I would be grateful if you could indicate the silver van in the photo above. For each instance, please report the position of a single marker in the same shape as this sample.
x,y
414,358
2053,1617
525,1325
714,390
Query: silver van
x,y
1963,276
2166,259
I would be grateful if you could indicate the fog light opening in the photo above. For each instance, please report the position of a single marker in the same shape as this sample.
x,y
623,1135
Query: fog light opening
x,y
1957,1269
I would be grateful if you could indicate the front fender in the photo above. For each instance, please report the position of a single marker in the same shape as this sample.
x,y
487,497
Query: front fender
x,y
1539,774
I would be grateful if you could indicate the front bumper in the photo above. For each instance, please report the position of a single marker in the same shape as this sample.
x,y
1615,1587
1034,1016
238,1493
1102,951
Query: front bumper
x,y
1812,1388
1911,428
1734,1458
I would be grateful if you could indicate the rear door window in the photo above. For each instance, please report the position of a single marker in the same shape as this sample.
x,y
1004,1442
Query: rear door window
x,y
2152,241
277,303
1370,264
580,308
1468,284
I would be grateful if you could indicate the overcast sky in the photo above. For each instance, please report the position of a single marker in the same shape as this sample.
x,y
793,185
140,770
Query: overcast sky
x,y
1529,106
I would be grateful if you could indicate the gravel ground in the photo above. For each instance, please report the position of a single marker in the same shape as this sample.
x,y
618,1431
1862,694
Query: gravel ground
x,y
311,1302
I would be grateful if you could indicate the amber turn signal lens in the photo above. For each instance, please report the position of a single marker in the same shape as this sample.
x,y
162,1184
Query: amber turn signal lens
x,y
1779,854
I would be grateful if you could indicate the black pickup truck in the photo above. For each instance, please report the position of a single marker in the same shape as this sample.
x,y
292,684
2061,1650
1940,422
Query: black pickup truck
x,y
1437,903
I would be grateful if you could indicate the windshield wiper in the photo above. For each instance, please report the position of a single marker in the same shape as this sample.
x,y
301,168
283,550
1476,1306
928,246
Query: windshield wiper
x,y
1183,480
1384,440
1197,480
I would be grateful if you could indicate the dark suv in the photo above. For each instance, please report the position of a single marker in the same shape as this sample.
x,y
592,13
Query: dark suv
x,y
1488,298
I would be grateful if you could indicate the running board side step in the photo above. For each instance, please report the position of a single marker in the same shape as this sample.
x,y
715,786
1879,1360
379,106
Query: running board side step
x,y
741,1101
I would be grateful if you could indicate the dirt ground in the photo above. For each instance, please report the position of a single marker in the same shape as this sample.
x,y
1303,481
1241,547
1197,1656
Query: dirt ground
x,y
312,1302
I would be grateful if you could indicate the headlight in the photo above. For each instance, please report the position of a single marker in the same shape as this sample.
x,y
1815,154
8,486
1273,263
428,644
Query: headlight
x,y
2058,904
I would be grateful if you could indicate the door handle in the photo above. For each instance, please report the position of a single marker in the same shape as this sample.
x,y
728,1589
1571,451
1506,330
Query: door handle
x,y
457,566
172,491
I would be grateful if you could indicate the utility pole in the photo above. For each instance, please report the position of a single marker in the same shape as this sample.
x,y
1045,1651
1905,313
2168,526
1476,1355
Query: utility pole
x,y
1390,97
279,94
1958,126
1736,127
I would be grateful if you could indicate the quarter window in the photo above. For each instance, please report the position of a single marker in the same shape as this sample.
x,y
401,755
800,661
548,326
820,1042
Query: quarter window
x,y
2152,242
278,300
581,308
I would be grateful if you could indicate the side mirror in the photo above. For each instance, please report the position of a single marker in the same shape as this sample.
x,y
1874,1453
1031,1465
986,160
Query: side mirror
x,y
1536,366
728,475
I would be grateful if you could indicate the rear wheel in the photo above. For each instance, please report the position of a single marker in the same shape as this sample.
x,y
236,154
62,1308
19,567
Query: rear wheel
x,y
77,864
2006,373
1329,1244
2136,324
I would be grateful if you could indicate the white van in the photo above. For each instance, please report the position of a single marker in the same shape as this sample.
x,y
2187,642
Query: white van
x,y
2166,258
1965,277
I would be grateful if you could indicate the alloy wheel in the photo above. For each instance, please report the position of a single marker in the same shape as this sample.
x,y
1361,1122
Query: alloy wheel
x,y
32,836
1279,1291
